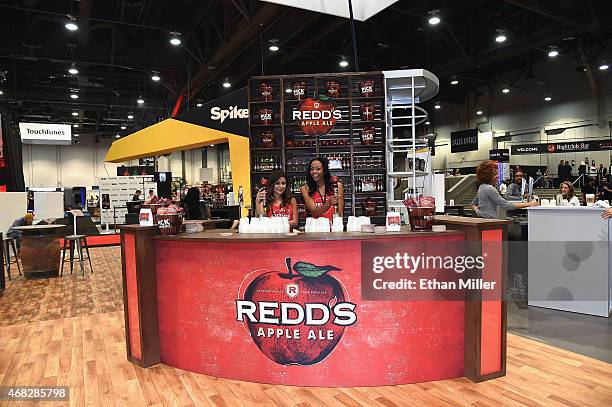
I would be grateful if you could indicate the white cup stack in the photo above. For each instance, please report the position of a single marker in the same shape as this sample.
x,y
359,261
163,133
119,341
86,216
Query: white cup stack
x,y
255,226
264,225
355,222
244,226
337,225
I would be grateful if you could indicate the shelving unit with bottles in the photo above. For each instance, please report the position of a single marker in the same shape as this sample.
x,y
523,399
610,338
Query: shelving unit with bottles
x,y
355,146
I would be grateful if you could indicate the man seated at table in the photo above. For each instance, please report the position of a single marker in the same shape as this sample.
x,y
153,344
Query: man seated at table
x,y
588,188
513,193
26,220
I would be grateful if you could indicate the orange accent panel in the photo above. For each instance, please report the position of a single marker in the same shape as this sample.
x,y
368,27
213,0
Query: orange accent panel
x,y
133,328
491,324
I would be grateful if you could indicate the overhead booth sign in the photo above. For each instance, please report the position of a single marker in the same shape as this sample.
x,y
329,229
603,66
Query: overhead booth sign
x,y
551,148
45,133
464,140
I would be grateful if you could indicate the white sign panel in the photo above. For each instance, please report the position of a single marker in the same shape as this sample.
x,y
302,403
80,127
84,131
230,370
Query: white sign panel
x,y
45,133
362,9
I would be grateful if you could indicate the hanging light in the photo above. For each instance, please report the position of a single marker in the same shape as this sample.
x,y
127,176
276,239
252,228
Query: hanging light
x,y
75,114
76,126
73,70
505,90
155,77
273,45
603,66
438,106
140,100
343,63
1,93
553,52
434,17
227,84
117,136
198,105
479,112
174,38
76,135
427,123
71,25
547,98
500,36
454,81
123,127
130,116
74,96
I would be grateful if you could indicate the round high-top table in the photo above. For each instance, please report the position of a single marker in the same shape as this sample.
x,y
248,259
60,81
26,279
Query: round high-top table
x,y
40,249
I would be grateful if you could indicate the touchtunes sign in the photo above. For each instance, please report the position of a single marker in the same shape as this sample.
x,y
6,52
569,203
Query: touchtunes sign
x,y
45,133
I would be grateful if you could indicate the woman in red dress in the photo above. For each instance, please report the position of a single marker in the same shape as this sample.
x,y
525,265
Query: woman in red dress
x,y
278,200
318,192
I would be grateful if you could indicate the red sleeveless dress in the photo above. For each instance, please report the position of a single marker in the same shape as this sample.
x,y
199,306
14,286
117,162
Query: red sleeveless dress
x,y
320,200
280,211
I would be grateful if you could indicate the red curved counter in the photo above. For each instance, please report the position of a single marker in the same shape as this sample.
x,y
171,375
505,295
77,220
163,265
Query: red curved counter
x,y
226,306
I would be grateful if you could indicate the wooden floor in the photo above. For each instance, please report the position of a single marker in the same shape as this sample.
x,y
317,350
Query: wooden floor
x,y
87,353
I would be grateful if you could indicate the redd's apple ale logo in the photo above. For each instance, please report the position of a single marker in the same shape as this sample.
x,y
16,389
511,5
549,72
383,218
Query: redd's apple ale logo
x,y
317,116
295,318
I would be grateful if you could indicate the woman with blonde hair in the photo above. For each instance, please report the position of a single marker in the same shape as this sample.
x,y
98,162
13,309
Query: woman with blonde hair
x,y
566,189
487,199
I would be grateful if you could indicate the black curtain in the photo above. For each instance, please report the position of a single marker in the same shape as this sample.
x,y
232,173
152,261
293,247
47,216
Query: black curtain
x,y
12,173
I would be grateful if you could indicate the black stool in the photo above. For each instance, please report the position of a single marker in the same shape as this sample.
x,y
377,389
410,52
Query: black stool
x,y
80,241
9,242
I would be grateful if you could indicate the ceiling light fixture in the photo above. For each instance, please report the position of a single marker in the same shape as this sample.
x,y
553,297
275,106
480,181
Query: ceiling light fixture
x,y
227,84
603,66
73,70
76,135
438,106
273,45
547,98
155,77
506,90
427,122
140,100
343,63
130,116
174,38
553,52
123,127
1,93
71,25
76,126
434,17
75,114
479,112
288,90
454,81
199,105
117,136
74,96
500,36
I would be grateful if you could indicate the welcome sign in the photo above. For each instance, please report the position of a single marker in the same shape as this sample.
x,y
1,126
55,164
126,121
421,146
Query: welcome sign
x,y
45,133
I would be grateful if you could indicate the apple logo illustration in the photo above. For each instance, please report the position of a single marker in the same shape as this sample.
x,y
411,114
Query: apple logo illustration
x,y
296,318
317,116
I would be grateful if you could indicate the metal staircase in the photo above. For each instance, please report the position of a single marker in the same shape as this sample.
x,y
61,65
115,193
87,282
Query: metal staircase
x,y
404,89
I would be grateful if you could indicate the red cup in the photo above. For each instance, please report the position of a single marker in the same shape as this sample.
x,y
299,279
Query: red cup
x,y
266,92
366,88
332,88
266,116
367,135
367,112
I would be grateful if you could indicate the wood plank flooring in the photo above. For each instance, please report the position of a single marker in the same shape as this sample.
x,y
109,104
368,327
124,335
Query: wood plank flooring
x,y
87,353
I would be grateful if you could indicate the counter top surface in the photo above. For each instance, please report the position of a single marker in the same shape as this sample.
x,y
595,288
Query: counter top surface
x,y
465,220
38,227
221,235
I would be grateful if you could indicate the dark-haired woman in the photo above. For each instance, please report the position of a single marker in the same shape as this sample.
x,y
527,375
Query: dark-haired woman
x,y
318,192
191,204
487,199
278,200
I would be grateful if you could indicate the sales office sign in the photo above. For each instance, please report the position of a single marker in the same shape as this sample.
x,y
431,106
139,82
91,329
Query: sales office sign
x,y
45,133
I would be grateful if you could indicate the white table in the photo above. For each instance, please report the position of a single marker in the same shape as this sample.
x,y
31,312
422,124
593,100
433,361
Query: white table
x,y
570,265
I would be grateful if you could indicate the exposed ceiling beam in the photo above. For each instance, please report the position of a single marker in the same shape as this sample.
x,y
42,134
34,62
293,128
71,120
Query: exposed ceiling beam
x,y
235,45
543,10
